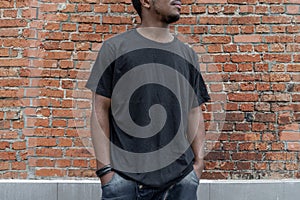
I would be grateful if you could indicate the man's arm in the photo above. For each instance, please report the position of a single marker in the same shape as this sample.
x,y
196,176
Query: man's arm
x,y
100,133
196,135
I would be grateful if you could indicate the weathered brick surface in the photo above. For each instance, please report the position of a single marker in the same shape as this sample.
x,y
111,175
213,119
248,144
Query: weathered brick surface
x,y
250,57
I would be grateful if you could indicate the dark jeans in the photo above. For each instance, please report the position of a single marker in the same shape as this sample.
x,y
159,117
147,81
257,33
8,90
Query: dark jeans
x,y
119,188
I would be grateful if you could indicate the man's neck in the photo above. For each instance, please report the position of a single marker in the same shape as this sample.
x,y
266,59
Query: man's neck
x,y
159,33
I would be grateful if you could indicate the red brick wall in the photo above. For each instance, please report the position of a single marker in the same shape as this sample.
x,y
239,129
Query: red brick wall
x,y
249,50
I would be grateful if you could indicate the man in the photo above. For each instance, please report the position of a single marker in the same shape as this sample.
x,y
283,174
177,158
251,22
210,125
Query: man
x,y
147,125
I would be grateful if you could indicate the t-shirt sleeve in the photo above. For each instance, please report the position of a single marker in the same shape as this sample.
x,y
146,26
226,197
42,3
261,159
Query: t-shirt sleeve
x,y
199,85
100,79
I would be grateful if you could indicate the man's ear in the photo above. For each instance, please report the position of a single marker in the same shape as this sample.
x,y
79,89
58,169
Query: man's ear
x,y
145,3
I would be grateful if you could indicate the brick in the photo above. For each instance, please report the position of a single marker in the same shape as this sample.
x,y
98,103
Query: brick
x,y
86,28
214,9
243,97
101,8
246,48
7,155
47,7
49,152
277,146
13,62
265,117
279,156
80,163
6,134
216,39
289,136
260,165
41,162
69,8
245,58
65,142
280,77
4,166
8,23
276,19
214,20
247,38
248,29
278,39
211,1
278,87
293,68
80,152
58,55
86,37
69,104
245,67
277,9
62,163
198,9
18,166
67,45
293,146
10,13
277,57
291,166
217,156
20,145
275,166
262,29
4,145
276,97
244,165
84,8
50,172
54,17
38,142
292,9
248,146
116,20
246,156
245,20
81,173
227,165
6,4
234,117
242,1
230,9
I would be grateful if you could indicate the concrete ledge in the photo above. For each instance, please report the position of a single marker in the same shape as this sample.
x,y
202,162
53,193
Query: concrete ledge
x,y
208,190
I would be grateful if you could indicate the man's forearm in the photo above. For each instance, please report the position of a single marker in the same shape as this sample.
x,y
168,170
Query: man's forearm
x,y
100,130
196,133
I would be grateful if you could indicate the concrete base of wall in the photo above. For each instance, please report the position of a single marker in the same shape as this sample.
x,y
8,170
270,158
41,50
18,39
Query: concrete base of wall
x,y
208,190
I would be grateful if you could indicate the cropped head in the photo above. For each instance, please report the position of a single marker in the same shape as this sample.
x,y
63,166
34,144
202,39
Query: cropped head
x,y
167,11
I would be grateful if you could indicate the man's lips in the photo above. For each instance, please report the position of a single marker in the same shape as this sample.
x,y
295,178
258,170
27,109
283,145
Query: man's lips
x,y
176,4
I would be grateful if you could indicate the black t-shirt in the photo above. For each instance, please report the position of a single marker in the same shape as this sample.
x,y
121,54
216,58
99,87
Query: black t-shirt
x,y
152,87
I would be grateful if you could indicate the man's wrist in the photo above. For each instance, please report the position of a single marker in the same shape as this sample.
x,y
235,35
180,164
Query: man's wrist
x,y
104,170
199,159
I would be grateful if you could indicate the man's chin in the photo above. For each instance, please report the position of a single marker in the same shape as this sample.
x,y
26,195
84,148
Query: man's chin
x,y
172,19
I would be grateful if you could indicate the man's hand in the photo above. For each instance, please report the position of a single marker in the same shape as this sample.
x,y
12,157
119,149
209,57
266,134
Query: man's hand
x,y
106,178
198,167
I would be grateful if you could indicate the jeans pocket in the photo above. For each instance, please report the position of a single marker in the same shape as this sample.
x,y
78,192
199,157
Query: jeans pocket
x,y
118,188
195,175
110,181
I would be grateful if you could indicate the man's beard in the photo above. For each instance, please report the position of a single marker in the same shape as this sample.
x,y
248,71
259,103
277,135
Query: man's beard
x,y
171,18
